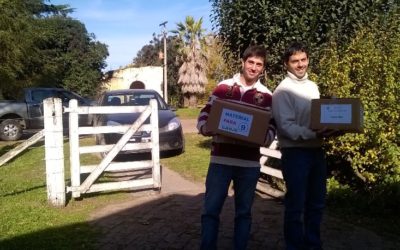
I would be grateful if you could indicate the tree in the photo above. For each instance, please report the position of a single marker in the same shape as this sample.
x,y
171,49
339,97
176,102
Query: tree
x,y
148,55
17,39
41,46
218,68
71,58
192,73
275,24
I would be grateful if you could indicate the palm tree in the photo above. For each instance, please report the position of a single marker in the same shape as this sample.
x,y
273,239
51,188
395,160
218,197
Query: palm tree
x,y
192,73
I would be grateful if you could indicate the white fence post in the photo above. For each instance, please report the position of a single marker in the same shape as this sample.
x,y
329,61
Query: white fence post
x,y
54,153
74,147
155,150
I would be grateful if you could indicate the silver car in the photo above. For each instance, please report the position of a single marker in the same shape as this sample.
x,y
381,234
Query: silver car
x,y
170,128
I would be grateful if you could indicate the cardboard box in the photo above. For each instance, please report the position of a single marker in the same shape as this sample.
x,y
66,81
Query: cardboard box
x,y
344,114
239,120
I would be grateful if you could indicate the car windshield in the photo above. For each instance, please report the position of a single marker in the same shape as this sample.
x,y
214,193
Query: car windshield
x,y
133,99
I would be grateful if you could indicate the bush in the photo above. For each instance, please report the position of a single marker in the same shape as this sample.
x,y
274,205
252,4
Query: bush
x,y
374,208
369,69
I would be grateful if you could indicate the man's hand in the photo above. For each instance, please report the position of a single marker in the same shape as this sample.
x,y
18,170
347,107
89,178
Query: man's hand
x,y
204,131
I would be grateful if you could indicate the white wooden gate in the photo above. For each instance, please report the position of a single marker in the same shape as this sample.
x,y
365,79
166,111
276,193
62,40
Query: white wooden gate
x,y
271,152
88,185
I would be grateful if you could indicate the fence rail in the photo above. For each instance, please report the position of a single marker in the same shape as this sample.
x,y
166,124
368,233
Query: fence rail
x,y
267,153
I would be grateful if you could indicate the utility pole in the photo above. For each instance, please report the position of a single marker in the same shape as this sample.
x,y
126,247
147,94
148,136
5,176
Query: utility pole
x,y
164,32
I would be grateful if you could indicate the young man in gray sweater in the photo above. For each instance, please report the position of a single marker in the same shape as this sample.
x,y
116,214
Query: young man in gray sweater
x,y
303,159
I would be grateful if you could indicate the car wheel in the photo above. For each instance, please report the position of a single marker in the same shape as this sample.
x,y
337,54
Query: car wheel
x,y
179,151
10,130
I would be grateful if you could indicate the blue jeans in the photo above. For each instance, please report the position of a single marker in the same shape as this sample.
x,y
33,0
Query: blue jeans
x,y
217,184
304,172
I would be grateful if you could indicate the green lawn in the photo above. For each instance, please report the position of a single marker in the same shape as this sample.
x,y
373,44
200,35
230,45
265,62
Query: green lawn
x,y
27,221
192,164
187,113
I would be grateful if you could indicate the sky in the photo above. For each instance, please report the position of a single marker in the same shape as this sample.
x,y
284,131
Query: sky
x,y
127,25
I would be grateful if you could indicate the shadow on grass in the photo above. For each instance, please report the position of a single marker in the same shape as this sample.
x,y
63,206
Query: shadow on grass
x,y
206,144
7,148
23,191
68,237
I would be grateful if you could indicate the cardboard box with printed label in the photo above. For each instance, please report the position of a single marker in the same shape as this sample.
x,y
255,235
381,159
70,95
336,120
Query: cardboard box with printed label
x,y
239,120
344,114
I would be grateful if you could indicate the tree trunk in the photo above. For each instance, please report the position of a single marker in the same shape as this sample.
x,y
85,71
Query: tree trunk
x,y
185,100
193,100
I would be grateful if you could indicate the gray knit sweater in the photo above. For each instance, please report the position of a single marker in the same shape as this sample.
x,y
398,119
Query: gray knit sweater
x,y
291,107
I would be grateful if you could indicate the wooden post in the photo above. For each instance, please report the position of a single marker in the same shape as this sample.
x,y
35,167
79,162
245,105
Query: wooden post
x,y
74,147
155,150
54,153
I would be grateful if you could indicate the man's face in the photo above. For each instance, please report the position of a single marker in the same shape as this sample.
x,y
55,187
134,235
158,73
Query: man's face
x,y
298,64
252,69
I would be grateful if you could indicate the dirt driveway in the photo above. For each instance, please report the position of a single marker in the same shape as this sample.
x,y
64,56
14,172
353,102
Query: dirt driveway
x,y
189,125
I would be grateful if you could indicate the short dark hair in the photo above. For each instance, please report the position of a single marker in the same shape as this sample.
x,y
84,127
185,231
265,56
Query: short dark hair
x,y
292,49
255,50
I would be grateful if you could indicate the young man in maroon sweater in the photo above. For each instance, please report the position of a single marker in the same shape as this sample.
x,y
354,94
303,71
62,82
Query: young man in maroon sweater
x,y
231,159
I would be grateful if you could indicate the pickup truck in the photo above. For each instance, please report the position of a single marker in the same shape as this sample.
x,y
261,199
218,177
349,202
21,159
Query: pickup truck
x,y
26,112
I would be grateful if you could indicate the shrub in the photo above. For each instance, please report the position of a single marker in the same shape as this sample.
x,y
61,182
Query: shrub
x,y
369,69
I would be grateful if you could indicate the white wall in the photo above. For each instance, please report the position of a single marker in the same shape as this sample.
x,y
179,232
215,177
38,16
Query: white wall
x,y
151,76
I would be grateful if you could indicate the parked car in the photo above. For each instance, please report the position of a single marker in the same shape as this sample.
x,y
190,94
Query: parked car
x,y
26,111
170,129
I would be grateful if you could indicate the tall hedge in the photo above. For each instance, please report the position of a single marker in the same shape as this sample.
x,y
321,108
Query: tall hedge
x,y
277,23
369,69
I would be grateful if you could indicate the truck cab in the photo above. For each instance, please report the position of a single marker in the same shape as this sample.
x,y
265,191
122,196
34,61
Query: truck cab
x,y
26,112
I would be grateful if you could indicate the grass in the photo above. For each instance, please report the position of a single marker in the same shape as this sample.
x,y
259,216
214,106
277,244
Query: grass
x,y
193,163
188,113
27,221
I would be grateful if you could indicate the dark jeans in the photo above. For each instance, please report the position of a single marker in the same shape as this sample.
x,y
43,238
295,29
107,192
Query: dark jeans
x,y
304,172
217,184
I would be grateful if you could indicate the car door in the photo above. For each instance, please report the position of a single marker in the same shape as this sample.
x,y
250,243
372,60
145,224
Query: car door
x,y
66,96
35,107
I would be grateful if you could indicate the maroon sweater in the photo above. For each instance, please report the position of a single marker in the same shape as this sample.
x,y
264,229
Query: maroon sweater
x,y
230,151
